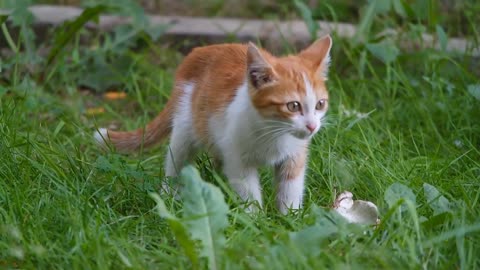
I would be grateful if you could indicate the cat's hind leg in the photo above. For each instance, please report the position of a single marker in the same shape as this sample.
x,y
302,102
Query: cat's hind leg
x,y
181,149
180,152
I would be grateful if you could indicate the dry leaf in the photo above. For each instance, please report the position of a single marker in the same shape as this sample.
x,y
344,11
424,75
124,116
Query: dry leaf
x,y
95,110
356,211
114,95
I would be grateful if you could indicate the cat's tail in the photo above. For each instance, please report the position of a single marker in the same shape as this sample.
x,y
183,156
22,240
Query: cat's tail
x,y
129,141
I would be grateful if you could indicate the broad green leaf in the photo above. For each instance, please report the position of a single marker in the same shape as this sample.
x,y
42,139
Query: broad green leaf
x,y
307,16
123,37
102,75
436,200
382,6
22,17
20,14
436,220
442,37
70,28
399,8
155,32
127,8
387,52
103,164
3,17
31,103
474,90
6,33
3,90
205,214
420,8
178,229
309,240
409,11
398,191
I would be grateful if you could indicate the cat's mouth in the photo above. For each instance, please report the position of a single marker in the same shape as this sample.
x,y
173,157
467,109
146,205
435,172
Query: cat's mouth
x,y
302,134
275,128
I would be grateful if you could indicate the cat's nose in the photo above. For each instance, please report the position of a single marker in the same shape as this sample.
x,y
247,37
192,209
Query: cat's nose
x,y
311,127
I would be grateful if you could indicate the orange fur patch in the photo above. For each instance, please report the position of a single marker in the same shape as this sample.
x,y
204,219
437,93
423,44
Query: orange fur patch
x,y
292,167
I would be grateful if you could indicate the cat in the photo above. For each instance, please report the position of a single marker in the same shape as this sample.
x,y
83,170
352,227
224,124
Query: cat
x,y
248,109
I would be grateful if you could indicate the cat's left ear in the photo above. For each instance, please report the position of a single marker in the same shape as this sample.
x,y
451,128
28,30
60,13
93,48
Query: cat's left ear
x,y
319,54
260,71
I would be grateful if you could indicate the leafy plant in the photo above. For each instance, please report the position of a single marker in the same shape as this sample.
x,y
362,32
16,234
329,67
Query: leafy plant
x,y
398,191
436,200
70,28
204,217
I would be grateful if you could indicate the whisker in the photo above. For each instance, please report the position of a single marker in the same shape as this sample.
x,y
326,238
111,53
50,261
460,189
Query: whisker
x,y
268,127
271,132
277,122
268,137
269,124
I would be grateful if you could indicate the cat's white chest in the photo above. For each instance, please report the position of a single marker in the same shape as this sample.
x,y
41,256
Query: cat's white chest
x,y
241,132
269,149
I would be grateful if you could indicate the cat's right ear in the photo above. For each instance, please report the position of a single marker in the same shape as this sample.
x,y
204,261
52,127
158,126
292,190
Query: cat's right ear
x,y
319,54
260,71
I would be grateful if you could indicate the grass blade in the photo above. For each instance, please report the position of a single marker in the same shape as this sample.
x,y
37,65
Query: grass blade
x,y
307,16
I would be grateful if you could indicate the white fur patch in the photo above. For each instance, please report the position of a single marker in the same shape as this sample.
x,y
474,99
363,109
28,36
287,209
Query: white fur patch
x,y
242,131
290,193
183,110
244,181
182,138
312,115
101,136
310,97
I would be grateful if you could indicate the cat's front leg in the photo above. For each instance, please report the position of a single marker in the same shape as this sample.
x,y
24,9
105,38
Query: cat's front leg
x,y
245,181
289,176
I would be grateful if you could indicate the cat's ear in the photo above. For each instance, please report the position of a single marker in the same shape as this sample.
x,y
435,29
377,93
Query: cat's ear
x,y
319,54
260,71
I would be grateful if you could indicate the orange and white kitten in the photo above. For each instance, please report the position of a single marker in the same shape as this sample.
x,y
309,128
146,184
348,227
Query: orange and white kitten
x,y
246,107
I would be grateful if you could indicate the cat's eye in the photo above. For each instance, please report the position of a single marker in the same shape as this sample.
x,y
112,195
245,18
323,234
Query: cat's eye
x,y
293,106
321,104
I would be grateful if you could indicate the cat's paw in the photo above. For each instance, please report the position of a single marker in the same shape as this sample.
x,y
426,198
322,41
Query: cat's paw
x,y
253,207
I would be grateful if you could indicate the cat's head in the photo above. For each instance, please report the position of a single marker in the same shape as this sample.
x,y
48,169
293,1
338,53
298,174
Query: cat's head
x,y
290,92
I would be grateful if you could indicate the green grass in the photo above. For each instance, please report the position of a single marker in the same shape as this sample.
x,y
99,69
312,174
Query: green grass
x,y
66,204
